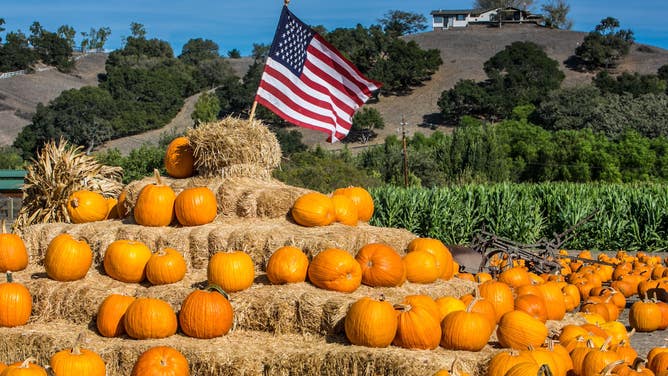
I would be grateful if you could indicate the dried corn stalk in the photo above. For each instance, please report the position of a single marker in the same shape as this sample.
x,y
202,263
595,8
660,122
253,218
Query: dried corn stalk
x,y
59,170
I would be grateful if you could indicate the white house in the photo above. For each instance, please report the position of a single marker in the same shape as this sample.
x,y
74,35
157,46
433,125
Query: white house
x,y
446,19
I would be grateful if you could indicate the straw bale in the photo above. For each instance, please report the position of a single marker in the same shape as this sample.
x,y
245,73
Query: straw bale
x,y
241,353
259,238
235,147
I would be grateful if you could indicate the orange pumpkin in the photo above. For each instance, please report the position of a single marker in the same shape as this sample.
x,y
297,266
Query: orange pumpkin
x,y
161,361
155,204
77,361
499,294
448,304
86,206
534,305
179,158
67,259
206,313
195,206
110,315
421,267
122,206
15,303
313,209
419,324
232,271
519,330
362,200
13,253
345,210
165,266
465,330
644,316
382,266
25,368
371,323
149,318
287,265
125,260
112,207
335,269
444,259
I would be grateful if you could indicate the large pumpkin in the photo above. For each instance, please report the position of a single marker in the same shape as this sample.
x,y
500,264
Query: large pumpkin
x,y
345,210
371,323
444,260
67,259
77,361
179,159
15,303
521,331
335,269
287,265
150,318
206,313
195,206
362,200
313,209
13,253
466,330
232,271
110,315
155,204
86,206
421,267
125,260
499,294
419,324
165,266
161,361
382,266
25,368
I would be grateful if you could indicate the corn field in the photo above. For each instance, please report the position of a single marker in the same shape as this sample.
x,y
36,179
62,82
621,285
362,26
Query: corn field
x,y
630,216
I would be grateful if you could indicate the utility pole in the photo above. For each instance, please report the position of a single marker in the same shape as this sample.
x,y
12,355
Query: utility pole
x,y
403,140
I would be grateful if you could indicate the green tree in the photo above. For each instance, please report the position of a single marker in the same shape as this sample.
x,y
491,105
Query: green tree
x,y
10,158
206,109
234,53
67,33
635,83
397,23
603,47
556,14
364,122
465,98
51,48
491,4
16,53
137,30
198,50
569,108
662,73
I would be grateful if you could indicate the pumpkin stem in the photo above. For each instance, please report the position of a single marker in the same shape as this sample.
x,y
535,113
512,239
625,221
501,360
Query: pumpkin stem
x,y
76,349
26,363
4,229
74,202
544,370
10,279
475,299
604,346
608,369
215,287
402,307
158,179
638,362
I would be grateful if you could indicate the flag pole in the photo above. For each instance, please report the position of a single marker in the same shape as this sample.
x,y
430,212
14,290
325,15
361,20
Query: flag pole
x,y
251,116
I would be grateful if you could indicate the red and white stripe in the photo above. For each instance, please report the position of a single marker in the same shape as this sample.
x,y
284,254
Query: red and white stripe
x,y
325,96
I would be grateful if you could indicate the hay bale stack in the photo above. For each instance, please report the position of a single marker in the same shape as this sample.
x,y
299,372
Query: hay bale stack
x,y
294,308
235,147
257,237
239,197
243,353
58,171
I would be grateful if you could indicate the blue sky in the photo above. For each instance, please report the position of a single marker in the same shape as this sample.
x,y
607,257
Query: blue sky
x,y
239,24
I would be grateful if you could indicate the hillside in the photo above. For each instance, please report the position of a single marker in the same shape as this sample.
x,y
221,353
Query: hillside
x,y
463,53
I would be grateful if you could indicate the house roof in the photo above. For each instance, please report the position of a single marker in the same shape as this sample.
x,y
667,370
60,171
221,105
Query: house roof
x,y
451,11
11,180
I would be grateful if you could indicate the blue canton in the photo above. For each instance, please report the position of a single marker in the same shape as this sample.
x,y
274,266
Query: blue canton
x,y
290,42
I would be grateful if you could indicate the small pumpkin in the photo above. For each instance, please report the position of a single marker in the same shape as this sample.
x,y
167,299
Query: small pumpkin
x,y
499,294
25,368
206,313
421,267
345,210
125,260
362,200
465,330
444,260
382,265
644,316
67,259
179,158
165,266
15,303
161,361
77,361
195,206
149,318
112,207
313,209
232,271
110,315
122,206
335,269
370,322
13,253
86,206
155,204
287,265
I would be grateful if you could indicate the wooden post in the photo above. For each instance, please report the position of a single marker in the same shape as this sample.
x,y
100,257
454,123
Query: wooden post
x,y
403,140
252,111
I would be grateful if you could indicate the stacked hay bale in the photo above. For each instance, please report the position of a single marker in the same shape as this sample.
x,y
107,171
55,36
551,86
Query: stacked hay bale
x,y
286,329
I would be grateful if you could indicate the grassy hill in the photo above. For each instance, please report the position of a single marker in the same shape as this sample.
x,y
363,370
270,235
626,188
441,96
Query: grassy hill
x,y
463,52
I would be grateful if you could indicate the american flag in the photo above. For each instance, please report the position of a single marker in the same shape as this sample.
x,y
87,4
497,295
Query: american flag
x,y
307,82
